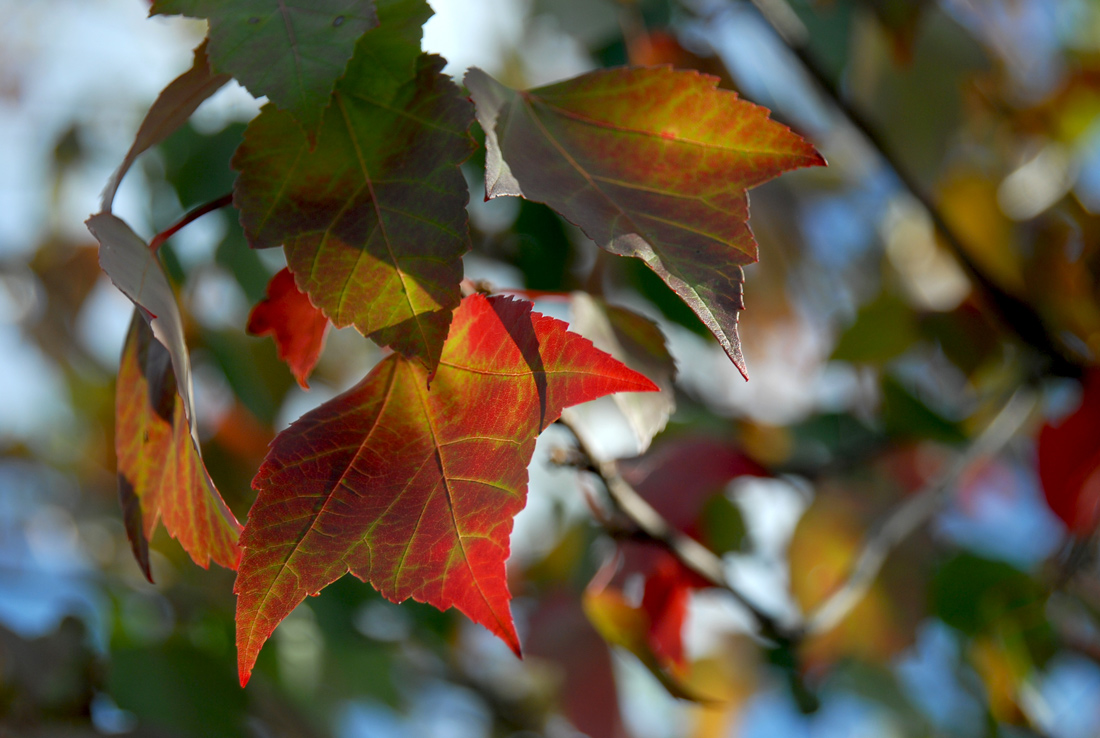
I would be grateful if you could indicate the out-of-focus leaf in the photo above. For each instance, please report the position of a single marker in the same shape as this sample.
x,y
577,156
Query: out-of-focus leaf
x,y
969,203
883,330
172,108
680,475
178,687
971,593
414,489
1069,462
161,475
138,273
292,53
562,634
638,343
905,416
196,164
628,627
650,163
373,216
298,328
822,551
722,525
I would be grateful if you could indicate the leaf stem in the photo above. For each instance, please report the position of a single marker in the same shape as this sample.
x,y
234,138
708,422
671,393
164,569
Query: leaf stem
x,y
653,527
914,512
195,214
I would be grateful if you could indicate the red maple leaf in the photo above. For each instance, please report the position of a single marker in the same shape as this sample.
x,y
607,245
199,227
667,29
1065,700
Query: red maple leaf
x,y
297,326
414,488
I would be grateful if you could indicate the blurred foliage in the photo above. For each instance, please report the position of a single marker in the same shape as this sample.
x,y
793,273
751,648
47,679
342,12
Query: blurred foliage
x,y
879,349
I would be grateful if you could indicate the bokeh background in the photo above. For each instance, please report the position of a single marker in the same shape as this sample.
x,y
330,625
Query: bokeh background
x,y
947,258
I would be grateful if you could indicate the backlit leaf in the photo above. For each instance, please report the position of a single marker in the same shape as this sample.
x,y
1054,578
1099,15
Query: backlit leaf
x,y
161,475
649,162
298,328
373,217
414,489
172,108
293,52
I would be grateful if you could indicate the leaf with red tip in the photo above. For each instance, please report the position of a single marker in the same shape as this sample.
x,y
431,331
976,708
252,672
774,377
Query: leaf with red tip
x,y
160,471
649,162
373,215
298,328
291,52
1069,462
414,488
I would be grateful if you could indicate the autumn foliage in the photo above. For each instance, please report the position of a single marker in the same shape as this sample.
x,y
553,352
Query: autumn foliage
x,y
358,168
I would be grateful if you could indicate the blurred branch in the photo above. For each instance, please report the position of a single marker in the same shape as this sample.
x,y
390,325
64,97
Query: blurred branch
x,y
915,511
651,526
1016,314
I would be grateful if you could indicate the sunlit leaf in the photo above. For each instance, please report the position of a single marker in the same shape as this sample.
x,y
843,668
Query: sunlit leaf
x,y
373,216
649,162
292,52
161,475
414,488
298,328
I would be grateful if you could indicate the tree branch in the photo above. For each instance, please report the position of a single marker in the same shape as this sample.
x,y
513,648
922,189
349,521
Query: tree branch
x,y
1016,314
653,527
914,512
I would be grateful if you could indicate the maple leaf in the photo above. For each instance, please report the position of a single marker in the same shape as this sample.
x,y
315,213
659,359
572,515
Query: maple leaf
x,y
161,475
414,488
298,328
373,217
291,52
649,162
1069,462
173,106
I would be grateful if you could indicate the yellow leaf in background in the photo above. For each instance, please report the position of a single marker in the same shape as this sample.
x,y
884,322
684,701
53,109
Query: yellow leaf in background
x,y
969,204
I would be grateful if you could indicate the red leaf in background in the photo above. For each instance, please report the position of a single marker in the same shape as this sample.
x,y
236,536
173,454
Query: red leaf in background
x,y
160,472
298,328
561,633
1069,462
414,488
677,477
668,589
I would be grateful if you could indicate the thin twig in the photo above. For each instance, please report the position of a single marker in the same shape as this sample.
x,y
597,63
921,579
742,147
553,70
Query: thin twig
x,y
692,554
194,215
915,511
